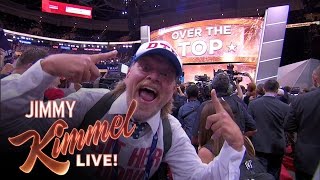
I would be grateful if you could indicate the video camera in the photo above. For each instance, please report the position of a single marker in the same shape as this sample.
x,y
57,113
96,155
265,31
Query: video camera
x,y
204,87
204,78
231,73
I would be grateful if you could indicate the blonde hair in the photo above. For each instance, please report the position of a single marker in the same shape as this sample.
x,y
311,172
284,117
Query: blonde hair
x,y
205,134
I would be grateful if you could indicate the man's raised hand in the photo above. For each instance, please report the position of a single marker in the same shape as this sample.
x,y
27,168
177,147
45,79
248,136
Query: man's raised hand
x,y
222,125
76,68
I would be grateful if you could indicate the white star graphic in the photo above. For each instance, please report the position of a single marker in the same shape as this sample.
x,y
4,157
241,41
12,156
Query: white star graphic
x,y
232,47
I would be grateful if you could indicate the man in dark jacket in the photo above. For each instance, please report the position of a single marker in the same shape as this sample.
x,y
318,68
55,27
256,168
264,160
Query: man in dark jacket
x,y
269,114
188,112
224,88
304,118
222,84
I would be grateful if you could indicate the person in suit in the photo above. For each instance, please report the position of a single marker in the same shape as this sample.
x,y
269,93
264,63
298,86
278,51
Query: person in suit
x,y
304,118
269,141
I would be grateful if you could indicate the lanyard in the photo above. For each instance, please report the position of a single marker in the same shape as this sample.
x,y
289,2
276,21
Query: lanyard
x,y
150,157
115,150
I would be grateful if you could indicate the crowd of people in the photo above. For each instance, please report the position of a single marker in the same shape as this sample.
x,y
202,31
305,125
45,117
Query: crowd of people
x,y
228,133
278,126
123,57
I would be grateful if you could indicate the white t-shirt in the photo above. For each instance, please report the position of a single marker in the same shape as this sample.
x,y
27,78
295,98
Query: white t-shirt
x,y
181,157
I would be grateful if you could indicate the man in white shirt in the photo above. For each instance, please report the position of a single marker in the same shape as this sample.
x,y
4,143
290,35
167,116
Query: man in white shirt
x,y
151,81
24,62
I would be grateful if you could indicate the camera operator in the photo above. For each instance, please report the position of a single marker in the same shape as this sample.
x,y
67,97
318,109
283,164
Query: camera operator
x,y
204,87
224,89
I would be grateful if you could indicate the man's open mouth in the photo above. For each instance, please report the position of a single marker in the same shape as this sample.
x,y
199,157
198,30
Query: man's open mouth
x,y
147,94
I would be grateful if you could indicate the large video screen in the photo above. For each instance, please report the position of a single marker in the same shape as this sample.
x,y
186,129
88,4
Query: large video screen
x,y
220,41
66,9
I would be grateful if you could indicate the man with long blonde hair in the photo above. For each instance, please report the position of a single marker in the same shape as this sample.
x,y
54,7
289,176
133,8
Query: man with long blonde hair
x,y
151,82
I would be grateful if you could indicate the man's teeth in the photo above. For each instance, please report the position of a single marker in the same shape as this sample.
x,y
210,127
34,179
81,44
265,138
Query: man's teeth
x,y
150,89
